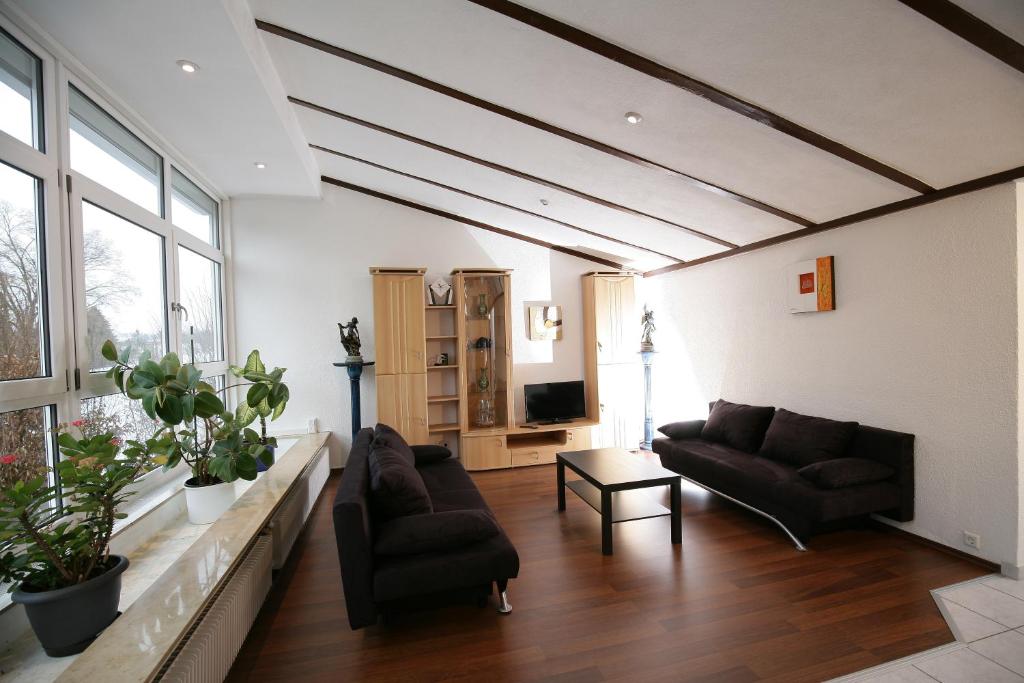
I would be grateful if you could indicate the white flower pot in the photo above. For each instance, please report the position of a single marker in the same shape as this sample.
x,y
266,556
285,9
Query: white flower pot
x,y
207,503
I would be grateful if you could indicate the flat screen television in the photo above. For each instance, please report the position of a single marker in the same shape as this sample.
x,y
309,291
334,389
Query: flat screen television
x,y
555,401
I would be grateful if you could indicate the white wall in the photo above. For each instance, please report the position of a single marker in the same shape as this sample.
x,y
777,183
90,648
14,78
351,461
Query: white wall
x,y
301,266
924,340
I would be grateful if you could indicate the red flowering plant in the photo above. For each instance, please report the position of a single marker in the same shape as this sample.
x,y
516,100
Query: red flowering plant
x,y
45,546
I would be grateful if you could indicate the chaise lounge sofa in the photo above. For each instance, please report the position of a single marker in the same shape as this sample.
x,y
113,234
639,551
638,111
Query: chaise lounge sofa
x,y
806,474
414,531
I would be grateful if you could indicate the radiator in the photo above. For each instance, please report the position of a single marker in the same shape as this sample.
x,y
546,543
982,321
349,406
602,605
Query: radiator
x,y
291,517
209,648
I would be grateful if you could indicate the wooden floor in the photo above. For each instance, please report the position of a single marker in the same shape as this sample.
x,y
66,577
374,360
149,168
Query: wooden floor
x,y
734,602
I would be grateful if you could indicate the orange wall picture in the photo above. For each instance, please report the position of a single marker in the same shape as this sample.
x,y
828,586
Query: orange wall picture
x,y
811,286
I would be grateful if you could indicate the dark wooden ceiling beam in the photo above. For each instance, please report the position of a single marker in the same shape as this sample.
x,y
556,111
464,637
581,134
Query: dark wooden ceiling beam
x,y
469,221
877,212
954,18
495,202
525,119
507,170
663,73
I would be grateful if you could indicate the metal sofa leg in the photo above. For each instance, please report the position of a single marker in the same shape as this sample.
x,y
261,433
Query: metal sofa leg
x,y
504,606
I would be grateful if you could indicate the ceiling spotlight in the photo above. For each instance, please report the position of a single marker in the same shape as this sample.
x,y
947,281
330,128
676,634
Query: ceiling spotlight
x,y
260,165
187,66
544,202
633,117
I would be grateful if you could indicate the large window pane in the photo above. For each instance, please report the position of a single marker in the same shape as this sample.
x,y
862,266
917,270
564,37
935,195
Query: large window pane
x,y
201,296
22,289
110,154
26,435
124,286
20,100
193,210
119,415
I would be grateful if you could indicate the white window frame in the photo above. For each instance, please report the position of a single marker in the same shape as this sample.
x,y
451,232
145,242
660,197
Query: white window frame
x,y
63,239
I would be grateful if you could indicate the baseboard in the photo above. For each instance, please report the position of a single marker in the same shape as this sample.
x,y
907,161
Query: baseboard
x,y
1012,571
973,559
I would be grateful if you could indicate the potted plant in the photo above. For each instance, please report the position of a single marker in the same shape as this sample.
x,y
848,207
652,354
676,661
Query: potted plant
x,y
56,558
267,397
197,428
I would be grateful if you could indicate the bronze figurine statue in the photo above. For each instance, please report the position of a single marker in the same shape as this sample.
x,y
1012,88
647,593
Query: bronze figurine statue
x,y
350,340
647,321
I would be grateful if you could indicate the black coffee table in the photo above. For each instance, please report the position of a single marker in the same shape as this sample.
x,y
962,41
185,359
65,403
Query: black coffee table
x,y
611,477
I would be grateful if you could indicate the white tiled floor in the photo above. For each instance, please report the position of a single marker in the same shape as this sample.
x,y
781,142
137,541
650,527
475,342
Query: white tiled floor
x,y
986,616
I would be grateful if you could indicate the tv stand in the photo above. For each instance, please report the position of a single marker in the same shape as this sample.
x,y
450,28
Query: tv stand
x,y
555,421
535,443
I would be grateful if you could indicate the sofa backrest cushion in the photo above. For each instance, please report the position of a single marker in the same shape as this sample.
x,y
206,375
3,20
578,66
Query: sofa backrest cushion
x,y
843,472
388,436
802,440
737,425
396,488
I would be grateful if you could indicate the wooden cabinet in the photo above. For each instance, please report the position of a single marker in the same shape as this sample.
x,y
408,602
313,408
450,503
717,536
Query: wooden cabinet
x,y
402,403
485,452
616,327
398,322
400,347
613,371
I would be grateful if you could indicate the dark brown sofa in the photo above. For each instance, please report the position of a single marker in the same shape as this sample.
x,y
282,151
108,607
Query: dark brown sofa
x,y
806,474
452,551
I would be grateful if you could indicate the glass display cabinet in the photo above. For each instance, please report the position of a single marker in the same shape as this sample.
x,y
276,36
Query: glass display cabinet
x,y
483,310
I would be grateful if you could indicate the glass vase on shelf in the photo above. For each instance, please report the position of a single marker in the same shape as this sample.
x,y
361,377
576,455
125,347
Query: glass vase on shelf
x,y
481,305
485,413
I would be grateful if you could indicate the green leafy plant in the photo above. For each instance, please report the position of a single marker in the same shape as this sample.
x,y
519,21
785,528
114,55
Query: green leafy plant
x,y
45,547
197,428
267,395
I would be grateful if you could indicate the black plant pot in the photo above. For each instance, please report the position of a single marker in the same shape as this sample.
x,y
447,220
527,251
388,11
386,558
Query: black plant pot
x,y
260,467
66,620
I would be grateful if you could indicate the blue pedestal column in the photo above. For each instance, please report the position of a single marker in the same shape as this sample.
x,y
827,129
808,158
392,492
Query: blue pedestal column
x,y
355,371
648,359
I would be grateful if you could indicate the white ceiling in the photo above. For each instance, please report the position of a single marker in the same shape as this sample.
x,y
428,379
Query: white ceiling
x,y
872,74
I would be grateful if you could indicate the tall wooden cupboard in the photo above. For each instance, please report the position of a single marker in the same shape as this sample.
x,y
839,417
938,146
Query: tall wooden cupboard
x,y
611,355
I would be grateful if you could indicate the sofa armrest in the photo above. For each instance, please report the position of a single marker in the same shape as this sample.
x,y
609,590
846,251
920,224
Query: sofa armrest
x,y
689,429
428,453
434,532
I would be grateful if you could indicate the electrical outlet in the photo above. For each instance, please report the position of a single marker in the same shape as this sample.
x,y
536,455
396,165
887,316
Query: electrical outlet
x,y
311,426
972,540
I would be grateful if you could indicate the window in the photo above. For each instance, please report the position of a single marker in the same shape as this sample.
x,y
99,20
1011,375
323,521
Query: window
x,y
193,210
26,434
201,325
119,415
22,285
107,152
124,286
21,74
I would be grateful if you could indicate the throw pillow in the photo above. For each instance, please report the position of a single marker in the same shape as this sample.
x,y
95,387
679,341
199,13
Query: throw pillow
x,y
843,472
430,453
689,429
802,439
388,436
737,425
434,532
396,488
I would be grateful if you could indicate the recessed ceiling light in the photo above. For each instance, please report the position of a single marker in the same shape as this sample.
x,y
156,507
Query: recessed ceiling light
x,y
633,117
544,202
260,165
187,66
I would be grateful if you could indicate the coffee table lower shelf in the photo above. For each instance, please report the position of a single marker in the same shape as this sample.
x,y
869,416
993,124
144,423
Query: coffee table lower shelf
x,y
626,505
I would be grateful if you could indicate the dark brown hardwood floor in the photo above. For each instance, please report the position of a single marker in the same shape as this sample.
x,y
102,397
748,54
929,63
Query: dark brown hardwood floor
x,y
734,602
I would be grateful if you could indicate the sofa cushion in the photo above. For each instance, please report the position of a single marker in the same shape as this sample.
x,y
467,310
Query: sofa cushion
x,y
437,531
429,453
843,472
722,467
388,436
689,429
478,564
396,488
737,425
802,439
446,475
